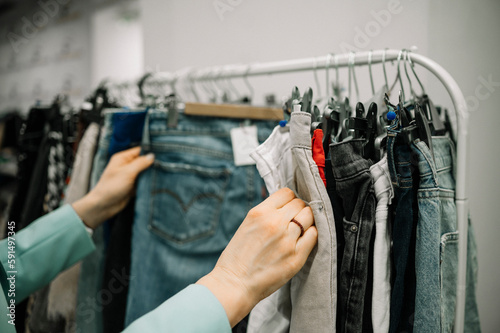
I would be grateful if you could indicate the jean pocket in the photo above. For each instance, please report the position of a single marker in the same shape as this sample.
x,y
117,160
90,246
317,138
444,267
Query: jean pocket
x,y
448,276
186,200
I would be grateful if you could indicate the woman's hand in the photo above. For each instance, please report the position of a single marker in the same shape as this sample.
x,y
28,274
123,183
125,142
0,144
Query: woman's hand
x,y
114,189
266,251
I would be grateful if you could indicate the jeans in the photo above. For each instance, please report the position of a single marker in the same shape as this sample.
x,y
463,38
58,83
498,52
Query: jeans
x,y
404,224
313,289
285,160
355,186
381,298
189,205
427,251
444,154
91,296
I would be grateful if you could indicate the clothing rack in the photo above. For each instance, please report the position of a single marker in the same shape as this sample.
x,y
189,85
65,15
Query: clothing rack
x,y
332,61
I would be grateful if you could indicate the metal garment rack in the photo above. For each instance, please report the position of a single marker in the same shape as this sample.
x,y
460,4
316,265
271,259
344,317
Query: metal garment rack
x,y
364,58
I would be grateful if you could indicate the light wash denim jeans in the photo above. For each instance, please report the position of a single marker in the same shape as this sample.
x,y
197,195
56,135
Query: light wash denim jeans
x,y
444,154
189,204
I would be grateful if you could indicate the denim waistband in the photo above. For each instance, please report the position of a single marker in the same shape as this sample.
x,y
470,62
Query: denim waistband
x,y
347,159
444,153
157,124
301,127
112,117
399,161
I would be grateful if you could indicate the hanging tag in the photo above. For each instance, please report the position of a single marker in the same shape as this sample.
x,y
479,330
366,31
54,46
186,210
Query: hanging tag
x,y
244,140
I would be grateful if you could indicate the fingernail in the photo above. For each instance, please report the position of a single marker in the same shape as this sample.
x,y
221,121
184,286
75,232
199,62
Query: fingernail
x,y
150,156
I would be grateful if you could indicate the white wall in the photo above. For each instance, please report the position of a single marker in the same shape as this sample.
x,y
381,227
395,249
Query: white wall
x,y
461,35
43,52
117,48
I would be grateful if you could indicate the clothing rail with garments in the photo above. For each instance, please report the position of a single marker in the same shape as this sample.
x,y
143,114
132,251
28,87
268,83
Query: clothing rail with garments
x,y
383,179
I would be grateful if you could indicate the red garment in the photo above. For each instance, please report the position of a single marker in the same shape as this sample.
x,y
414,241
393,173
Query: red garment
x,y
318,152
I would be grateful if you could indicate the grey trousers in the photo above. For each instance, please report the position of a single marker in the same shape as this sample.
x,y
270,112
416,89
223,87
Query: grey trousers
x,y
308,302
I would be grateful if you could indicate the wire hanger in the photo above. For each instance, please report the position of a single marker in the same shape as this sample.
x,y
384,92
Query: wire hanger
x,y
247,83
352,64
370,71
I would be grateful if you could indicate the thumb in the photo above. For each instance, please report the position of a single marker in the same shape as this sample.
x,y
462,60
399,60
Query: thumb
x,y
141,163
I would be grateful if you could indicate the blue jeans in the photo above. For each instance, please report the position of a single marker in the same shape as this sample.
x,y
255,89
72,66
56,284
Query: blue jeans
x,y
427,251
402,306
444,153
189,205
120,130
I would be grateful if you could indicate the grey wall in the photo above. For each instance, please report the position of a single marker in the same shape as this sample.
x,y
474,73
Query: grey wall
x,y
461,35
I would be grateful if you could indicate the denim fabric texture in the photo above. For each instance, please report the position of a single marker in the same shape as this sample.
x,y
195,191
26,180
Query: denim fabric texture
x,y
355,186
338,214
382,265
427,250
91,296
444,155
189,204
404,223
313,289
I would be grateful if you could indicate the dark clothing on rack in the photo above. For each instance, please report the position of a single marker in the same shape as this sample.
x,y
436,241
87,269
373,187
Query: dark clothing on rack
x,y
355,186
403,236
121,130
338,214
117,262
127,133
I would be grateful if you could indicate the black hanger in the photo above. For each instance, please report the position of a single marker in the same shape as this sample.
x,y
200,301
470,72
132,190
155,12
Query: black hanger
x,y
369,151
288,104
307,101
316,119
436,124
140,84
358,123
447,123
330,123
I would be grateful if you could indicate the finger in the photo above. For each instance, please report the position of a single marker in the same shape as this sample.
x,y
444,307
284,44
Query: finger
x,y
291,209
128,155
306,218
306,243
280,198
141,163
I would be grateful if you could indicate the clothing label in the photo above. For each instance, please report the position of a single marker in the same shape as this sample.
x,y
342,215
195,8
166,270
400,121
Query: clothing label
x,y
244,140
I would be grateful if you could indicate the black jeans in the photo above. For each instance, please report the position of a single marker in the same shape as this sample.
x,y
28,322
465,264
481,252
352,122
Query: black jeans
x,y
405,217
354,185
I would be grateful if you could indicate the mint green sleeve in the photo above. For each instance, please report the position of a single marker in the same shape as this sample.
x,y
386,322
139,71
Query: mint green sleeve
x,y
46,247
194,309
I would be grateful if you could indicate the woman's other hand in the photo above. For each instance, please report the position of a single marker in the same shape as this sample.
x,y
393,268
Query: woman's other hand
x,y
266,251
114,189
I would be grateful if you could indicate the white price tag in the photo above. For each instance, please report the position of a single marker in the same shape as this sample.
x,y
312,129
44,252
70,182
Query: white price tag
x,y
244,140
